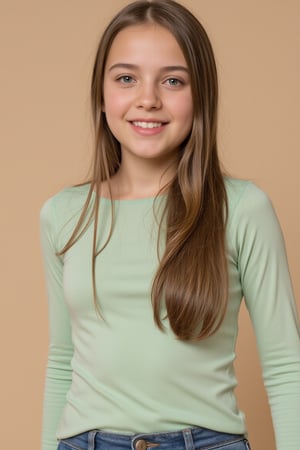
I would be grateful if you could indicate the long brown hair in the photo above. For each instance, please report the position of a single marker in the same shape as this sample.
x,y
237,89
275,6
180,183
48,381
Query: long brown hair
x,y
191,281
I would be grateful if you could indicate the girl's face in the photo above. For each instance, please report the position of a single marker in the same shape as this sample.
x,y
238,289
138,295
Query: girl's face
x,y
147,93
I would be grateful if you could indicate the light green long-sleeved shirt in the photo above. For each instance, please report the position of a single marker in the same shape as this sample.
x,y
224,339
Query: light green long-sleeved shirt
x,y
123,374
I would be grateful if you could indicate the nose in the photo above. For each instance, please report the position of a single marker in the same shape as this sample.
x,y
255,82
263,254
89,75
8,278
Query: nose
x,y
148,97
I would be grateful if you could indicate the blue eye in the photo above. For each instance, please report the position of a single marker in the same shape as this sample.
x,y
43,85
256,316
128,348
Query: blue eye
x,y
126,79
174,82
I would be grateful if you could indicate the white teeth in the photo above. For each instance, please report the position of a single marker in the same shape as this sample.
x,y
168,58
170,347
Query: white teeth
x,y
147,124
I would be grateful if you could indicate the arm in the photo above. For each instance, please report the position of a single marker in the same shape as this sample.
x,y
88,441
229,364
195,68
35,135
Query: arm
x,y
269,298
58,375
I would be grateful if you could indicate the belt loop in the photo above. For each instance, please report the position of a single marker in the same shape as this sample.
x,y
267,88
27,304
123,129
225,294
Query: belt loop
x,y
91,439
188,439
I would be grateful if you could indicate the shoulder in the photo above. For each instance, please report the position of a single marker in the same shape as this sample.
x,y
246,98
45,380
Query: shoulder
x,y
251,216
63,208
248,205
244,195
65,202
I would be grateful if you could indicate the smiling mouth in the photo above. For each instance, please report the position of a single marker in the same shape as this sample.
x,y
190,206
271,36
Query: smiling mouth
x,y
147,124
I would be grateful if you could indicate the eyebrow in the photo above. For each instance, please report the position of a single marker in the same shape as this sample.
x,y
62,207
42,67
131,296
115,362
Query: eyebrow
x,y
135,67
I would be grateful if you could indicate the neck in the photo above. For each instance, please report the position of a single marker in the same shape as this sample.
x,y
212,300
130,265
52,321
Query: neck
x,y
143,179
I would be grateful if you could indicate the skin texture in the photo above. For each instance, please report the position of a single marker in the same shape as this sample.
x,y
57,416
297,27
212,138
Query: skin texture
x,y
146,80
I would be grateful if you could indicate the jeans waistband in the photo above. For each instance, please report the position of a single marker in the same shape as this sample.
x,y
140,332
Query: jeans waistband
x,y
187,439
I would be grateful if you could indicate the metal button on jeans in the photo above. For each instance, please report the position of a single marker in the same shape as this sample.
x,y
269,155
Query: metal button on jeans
x,y
141,445
144,445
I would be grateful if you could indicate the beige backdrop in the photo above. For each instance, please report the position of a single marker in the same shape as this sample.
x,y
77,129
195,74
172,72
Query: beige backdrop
x,y
47,50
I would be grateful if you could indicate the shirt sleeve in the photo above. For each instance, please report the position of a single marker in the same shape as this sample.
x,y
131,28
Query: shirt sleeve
x,y
58,373
270,301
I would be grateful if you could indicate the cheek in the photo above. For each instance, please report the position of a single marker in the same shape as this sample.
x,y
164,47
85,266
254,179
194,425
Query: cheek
x,y
184,109
182,106
114,103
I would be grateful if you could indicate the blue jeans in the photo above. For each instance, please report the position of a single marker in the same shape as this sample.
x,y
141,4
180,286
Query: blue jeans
x,y
187,439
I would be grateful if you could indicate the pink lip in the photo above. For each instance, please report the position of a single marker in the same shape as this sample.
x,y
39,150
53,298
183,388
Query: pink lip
x,y
147,120
147,131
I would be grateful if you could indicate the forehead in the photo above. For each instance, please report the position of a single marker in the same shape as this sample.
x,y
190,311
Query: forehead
x,y
149,43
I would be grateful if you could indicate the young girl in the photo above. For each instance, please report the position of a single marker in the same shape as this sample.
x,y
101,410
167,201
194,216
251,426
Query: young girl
x,y
147,263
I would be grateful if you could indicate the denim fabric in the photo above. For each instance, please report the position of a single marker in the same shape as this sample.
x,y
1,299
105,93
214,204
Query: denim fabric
x,y
188,439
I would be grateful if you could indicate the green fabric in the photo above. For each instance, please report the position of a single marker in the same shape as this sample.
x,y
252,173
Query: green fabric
x,y
121,373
